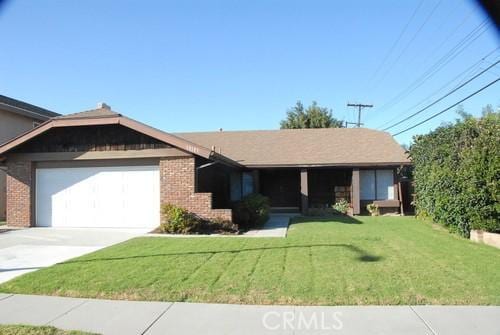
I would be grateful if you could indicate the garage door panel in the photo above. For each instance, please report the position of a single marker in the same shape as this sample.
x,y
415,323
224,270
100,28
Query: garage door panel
x,y
98,197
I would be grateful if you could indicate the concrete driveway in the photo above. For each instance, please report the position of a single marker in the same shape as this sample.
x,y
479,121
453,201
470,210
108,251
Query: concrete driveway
x,y
27,250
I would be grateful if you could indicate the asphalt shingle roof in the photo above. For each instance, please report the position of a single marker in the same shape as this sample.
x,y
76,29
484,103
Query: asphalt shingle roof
x,y
328,146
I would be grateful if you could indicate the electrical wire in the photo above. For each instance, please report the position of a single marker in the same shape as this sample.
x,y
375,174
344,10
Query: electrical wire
x,y
472,68
444,96
443,61
448,108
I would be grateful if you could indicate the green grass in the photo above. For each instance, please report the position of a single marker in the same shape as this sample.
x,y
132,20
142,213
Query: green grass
x,y
32,330
376,260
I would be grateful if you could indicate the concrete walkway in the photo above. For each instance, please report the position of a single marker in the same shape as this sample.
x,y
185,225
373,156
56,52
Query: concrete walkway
x,y
136,317
26,250
276,226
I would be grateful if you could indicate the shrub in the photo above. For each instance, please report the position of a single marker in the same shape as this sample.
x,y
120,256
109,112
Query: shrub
x,y
341,206
373,209
177,220
457,173
251,211
220,226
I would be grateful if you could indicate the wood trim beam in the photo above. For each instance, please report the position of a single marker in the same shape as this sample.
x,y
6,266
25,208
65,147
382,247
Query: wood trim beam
x,y
356,208
93,155
304,191
400,199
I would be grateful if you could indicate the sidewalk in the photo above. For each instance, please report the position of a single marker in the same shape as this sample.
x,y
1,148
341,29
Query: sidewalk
x,y
136,317
276,226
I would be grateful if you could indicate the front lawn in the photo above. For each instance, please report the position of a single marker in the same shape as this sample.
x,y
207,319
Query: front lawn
x,y
370,260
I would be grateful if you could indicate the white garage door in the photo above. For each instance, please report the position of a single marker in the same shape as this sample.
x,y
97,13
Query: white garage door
x,y
107,197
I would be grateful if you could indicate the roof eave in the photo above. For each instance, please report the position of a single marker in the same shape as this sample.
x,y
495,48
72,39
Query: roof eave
x,y
25,112
333,165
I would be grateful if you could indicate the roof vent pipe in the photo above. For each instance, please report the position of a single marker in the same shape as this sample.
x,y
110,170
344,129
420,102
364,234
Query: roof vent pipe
x,y
103,105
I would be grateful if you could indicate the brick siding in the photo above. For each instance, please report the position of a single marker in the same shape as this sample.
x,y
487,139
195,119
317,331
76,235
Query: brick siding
x,y
19,185
177,184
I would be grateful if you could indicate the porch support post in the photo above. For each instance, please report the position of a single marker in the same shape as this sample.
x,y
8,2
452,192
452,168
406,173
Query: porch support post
x,y
355,192
304,192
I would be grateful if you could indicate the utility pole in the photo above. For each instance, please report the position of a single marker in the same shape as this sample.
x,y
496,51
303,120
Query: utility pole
x,y
347,123
360,107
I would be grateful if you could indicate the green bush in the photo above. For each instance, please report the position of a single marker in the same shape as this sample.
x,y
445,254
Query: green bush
x,y
373,209
251,211
457,173
177,220
341,206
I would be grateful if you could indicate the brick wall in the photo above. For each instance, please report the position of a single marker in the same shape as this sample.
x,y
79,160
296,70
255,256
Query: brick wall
x,y
19,182
177,185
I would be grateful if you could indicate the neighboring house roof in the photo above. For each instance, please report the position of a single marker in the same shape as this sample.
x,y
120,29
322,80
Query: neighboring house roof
x,y
105,116
25,109
304,147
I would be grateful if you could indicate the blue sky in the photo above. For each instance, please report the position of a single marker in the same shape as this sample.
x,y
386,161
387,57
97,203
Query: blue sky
x,y
205,65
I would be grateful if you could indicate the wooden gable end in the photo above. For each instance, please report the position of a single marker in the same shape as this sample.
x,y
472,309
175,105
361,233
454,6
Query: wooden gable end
x,y
112,137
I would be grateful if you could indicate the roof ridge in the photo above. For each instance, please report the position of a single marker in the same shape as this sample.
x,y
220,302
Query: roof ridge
x,y
276,130
91,113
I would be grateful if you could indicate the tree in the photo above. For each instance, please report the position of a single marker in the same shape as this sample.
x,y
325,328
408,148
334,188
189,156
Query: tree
x,y
313,116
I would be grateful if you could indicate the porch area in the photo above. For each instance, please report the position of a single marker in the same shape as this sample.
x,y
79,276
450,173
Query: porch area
x,y
304,189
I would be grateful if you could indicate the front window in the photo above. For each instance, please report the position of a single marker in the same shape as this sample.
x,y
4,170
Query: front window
x,y
241,185
376,184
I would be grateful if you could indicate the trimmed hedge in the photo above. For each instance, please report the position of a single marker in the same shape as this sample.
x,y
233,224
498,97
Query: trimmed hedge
x,y
457,173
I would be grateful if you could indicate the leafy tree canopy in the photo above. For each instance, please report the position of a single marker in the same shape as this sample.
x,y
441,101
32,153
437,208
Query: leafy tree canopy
x,y
313,116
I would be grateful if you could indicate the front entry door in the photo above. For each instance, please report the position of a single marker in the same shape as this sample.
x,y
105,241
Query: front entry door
x,y
282,186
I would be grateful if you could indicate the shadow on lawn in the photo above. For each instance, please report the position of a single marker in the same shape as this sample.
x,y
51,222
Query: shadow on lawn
x,y
361,255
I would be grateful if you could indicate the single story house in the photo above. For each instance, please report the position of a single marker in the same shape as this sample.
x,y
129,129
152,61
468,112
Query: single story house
x,y
17,117
99,168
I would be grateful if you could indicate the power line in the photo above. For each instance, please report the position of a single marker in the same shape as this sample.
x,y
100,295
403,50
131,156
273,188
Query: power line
x,y
473,66
436,67
396,42
447,38
443,61
434,50
411,41
448,108
440,99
